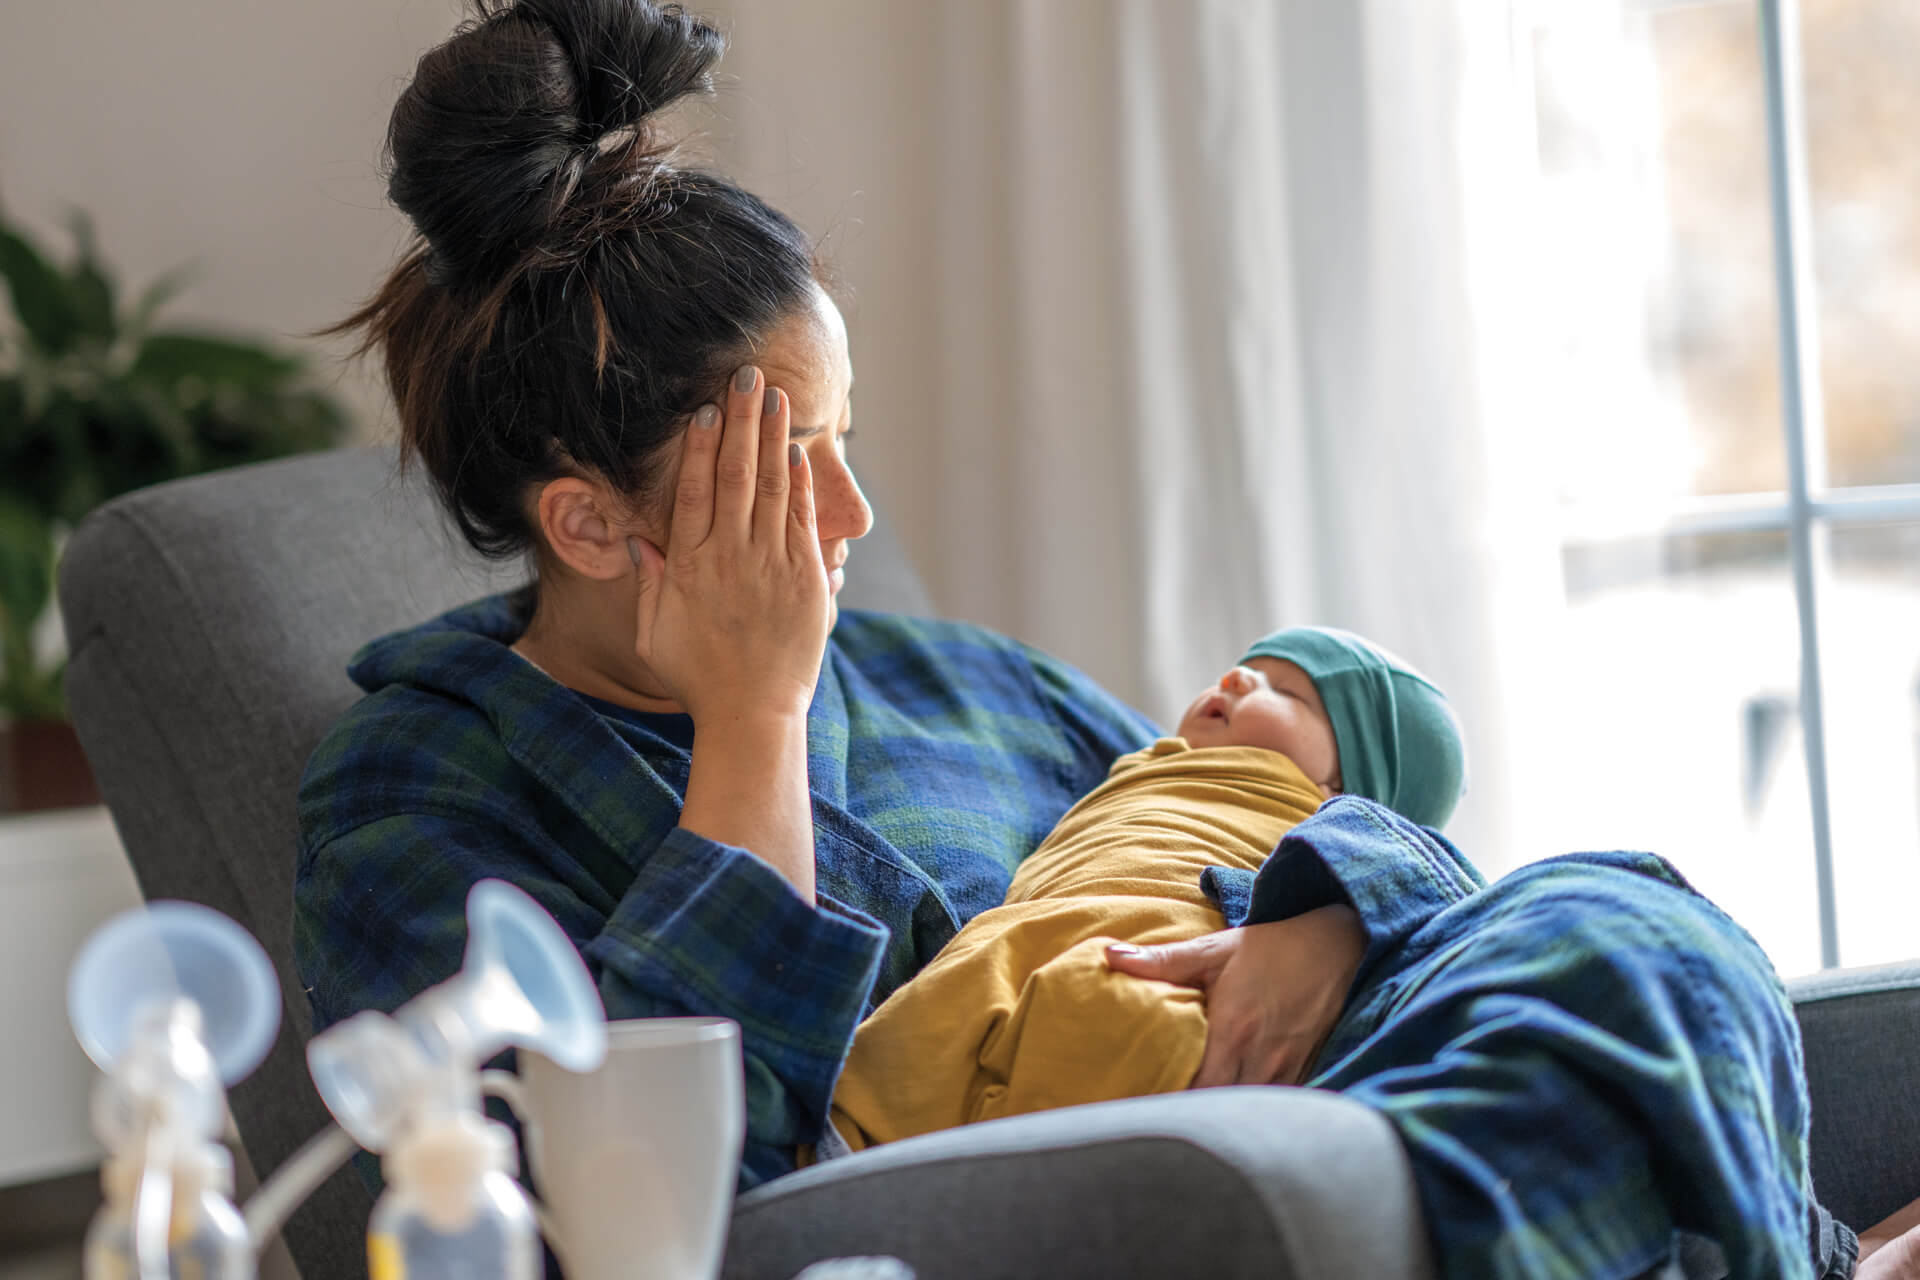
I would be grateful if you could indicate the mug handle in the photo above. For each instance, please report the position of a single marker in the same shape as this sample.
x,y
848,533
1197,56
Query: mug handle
x,y
506,1086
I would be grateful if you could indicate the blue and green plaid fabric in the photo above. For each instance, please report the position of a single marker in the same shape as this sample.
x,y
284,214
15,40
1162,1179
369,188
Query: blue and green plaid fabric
x,y
1582,1059
939,756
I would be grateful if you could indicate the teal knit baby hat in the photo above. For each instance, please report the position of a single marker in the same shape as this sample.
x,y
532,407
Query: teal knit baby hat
x,y
1399,741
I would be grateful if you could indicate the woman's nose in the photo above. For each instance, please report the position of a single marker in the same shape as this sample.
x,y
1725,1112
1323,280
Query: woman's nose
x,y
840,510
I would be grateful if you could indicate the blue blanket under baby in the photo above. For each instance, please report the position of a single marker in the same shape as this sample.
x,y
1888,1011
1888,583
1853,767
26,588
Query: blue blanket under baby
x,y
1582,1059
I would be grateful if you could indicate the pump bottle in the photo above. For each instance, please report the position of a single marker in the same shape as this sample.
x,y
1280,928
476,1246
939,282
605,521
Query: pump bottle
x,y
451,1210
206,1239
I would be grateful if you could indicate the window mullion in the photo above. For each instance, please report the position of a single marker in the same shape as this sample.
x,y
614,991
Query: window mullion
x,y
1801,410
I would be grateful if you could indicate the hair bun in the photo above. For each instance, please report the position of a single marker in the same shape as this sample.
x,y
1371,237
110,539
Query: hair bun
x,y
630,57
502,121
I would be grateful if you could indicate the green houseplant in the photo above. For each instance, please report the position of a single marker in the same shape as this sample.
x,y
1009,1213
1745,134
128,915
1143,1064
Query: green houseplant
x,y
97,400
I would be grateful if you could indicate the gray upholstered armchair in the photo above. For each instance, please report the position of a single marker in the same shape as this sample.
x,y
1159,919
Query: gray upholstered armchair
x,y
210,622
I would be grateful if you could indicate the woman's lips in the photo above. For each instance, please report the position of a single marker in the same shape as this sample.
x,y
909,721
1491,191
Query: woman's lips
x,y
836,580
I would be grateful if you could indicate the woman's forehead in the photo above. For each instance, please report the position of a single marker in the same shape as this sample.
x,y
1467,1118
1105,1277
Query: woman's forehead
x,y
806,357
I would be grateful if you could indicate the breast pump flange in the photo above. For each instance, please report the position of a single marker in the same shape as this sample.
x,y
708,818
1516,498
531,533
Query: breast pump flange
x,y
173,1002
407,1085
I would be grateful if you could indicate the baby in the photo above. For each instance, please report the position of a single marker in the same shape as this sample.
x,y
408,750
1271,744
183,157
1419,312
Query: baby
x,y
1020,1012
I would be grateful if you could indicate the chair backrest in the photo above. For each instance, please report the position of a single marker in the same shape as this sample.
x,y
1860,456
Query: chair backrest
x,y
210,621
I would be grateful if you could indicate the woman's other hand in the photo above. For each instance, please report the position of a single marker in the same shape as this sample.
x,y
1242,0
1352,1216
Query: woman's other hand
x,y
1890,1248
1274,991
733,615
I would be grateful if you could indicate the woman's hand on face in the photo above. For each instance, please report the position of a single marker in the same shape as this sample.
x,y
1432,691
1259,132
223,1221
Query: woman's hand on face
x,y
733,615
1274,991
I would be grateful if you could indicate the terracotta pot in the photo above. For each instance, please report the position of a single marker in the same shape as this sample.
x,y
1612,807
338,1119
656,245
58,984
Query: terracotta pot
x,y
42,767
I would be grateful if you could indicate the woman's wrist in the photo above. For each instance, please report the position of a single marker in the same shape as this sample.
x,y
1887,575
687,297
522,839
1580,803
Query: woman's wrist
x,y
747,787
1344,931
746,726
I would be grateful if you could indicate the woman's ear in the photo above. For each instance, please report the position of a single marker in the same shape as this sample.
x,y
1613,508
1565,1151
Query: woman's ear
x,y
585,527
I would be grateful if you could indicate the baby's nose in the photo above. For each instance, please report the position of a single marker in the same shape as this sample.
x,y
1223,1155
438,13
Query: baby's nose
x,y
1235,681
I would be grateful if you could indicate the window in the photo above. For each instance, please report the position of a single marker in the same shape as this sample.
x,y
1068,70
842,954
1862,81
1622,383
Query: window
x,y
1731,285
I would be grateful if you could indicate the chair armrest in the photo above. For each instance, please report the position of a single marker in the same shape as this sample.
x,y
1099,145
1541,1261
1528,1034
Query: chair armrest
x,y
1284,1184
1288,1183
1861,1029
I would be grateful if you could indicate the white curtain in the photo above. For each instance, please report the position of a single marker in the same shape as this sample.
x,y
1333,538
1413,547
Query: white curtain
x,y
1176,323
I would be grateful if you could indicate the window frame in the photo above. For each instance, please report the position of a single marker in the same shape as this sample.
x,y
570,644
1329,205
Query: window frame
x,y
1809,508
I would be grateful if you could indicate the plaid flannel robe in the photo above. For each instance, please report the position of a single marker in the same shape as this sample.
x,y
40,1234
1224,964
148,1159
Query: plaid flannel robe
x,y
939,755
1581,1059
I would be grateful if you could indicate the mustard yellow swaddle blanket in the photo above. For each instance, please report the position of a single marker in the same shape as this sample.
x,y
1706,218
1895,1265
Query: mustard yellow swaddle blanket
x,y
1020,1012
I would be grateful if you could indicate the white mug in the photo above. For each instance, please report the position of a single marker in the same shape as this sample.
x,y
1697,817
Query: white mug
x,y
636,1162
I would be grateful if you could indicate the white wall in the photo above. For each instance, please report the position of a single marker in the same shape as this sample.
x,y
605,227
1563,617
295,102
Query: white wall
x,y
241,135
244,135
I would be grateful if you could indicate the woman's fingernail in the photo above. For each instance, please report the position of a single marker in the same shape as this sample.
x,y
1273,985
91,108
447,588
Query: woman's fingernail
x,y
707,417
743,380
793,455
771,405
633,551
1122,949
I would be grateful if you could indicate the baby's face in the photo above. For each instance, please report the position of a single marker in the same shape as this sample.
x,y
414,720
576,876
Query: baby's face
x,y
1268,703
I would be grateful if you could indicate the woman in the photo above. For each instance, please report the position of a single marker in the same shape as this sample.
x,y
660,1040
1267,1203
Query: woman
x,y
732,803
630,370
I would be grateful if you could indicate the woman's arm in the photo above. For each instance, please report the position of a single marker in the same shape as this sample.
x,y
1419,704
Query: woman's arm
x,y
705,928
732,619
748,788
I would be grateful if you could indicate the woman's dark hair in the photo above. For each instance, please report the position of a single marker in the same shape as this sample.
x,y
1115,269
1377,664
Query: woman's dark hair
x,y
571,295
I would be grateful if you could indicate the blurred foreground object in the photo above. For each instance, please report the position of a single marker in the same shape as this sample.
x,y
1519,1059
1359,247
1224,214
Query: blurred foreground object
x,y
172,1002
408,1085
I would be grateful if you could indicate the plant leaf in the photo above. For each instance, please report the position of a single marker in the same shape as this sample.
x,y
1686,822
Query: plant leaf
x,y
152,298
90,288
255,428
39,292
37,382
172,357
26,571
13,413
51,697
93,404
54,462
